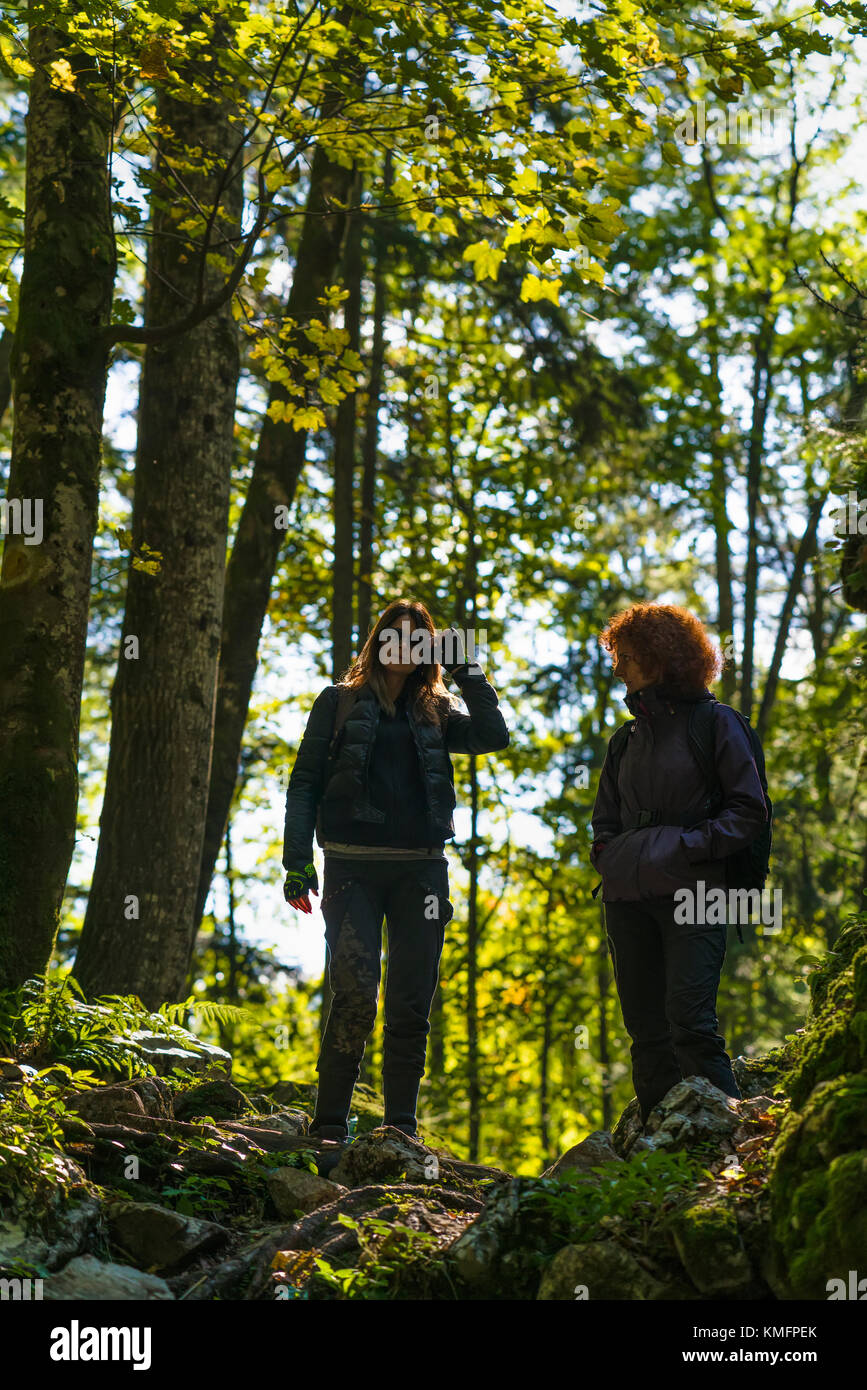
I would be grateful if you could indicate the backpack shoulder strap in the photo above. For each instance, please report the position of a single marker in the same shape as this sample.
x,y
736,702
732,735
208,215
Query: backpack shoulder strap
x,y
617,745
702,738
758,750
346,697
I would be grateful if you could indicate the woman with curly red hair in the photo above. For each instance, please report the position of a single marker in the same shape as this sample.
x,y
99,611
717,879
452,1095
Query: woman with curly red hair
x,y
656,832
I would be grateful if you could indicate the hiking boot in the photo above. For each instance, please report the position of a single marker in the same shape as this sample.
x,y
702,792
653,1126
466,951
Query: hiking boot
x,y
334,1140
330,1155
409,1130
337,1133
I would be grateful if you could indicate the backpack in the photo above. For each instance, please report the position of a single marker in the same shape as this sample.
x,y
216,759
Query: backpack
x,y
747,867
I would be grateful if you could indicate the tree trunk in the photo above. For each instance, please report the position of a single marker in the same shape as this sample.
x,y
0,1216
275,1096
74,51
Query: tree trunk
x,y
547,1018
473,1081
343,574
761,392
603,985
370,443
806,551
137,936
6,341
278,464
721,526
59,365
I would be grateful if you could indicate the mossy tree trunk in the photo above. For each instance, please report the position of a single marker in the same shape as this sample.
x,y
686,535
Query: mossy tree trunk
x,y
58,367
137,935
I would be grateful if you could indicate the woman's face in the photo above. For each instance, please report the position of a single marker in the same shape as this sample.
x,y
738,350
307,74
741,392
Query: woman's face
x,y
628,668
403,629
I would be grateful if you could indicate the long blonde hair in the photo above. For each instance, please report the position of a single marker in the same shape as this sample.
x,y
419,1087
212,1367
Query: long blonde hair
x,y
425,687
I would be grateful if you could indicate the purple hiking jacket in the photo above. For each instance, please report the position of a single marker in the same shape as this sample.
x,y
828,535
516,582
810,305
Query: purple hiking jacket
x,y
658,770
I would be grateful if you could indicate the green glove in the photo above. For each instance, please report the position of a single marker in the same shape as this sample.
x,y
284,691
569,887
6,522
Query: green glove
x,y
300,882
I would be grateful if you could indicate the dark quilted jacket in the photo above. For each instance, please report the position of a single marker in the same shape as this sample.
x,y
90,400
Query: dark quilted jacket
x,y
344,805
658,770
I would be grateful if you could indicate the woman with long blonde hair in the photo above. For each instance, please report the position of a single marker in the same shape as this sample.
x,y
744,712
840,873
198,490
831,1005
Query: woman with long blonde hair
x,y
373,777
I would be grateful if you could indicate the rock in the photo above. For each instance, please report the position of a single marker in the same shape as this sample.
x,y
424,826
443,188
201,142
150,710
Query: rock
x,y
284,1140
759,1076
627,1130
115,1102
287,1121
385,1155
71,1226
161,1239
10,1072
220,1099
88,1278
155,1095
45,1234
294,1093
107,1104
190,1054
164,1050
818,1190
296,1190
694,1113
476,1256
817,1184
592,1152
600,1269
20,1249
710,1247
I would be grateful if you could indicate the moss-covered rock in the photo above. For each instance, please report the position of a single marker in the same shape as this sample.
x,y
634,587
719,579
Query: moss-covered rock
x,y
220,1099
599,1269
818,1175
818,1188
710,1247
834,1043
766,1075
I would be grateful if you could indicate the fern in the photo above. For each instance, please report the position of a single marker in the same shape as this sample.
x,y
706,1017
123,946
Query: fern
x,y
208,1010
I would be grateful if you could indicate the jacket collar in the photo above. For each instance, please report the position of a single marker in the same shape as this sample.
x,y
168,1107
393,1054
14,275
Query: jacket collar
x,y
661,699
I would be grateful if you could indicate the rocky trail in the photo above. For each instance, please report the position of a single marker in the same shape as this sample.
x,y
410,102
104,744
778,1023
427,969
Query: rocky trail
x,y
182,1186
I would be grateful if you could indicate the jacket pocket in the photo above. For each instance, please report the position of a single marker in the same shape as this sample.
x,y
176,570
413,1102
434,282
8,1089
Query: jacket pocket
x,y
617,866
663,867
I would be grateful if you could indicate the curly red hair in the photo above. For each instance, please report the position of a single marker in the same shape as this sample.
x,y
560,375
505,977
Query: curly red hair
x,y
664,635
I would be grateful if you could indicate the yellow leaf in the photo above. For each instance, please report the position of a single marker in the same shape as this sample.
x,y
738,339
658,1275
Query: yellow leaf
x,y
330,391
485,259
281,411
62,75
525,182
533,289
308,418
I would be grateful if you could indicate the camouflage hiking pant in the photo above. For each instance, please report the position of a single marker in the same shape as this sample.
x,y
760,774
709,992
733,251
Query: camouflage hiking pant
x,y
413,898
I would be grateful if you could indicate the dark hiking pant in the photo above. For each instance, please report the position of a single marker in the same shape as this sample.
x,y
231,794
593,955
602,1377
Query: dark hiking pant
x,y
413,897
667,977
